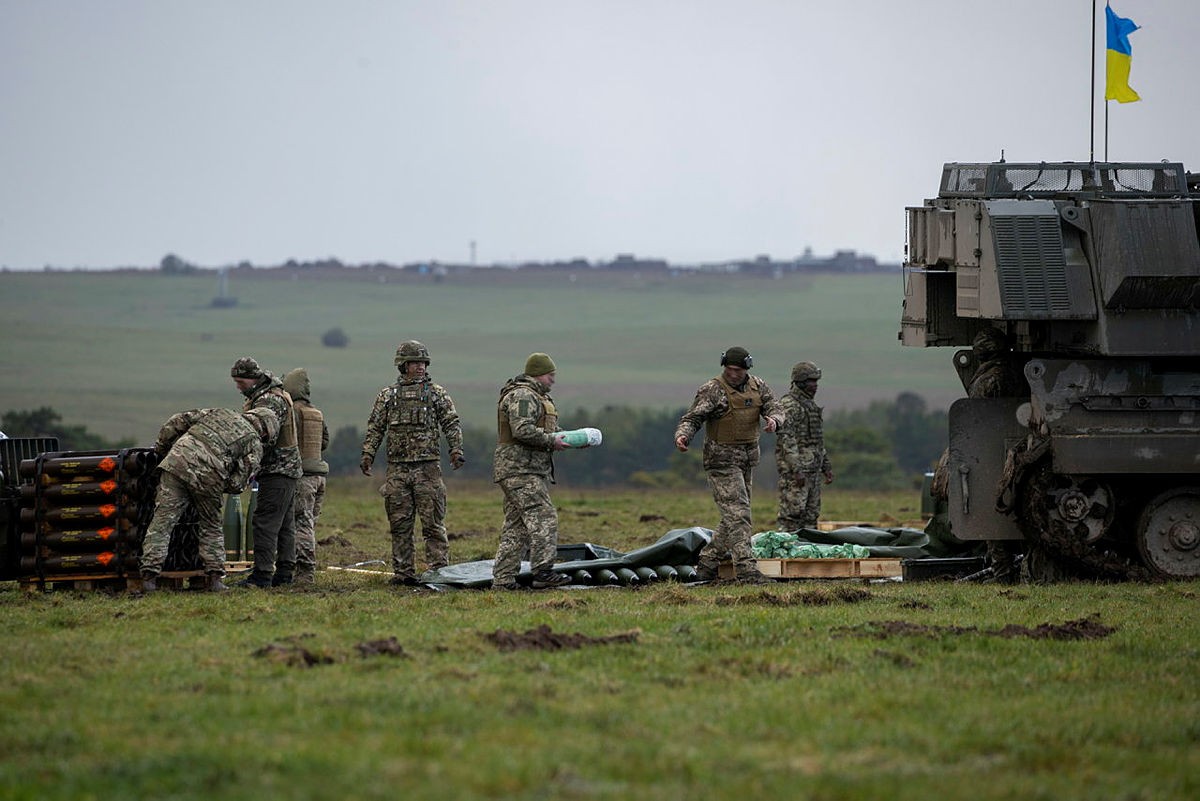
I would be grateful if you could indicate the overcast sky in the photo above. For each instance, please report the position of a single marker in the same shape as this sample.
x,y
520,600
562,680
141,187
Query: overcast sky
x,y
690,130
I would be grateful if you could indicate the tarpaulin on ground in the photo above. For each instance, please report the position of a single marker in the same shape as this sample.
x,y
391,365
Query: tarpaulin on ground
x,y
682,546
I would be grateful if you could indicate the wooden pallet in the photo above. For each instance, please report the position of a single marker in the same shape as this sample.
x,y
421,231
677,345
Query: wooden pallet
x,y
111,582
822,568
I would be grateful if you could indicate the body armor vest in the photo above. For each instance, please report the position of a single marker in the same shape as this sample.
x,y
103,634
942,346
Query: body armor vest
x,y
548,420
739,425
310,427
409,406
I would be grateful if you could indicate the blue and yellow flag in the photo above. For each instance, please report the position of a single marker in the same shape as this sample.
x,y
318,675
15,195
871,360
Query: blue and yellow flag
x,y
1119,56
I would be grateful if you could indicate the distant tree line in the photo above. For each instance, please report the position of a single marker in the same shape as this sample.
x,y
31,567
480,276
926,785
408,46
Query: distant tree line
x,y
46,422
887,445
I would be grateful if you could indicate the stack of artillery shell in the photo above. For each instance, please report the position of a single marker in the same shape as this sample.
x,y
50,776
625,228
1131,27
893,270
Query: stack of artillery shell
x,y
86,513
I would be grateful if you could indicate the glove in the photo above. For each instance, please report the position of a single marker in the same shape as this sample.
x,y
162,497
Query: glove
x,y
364,465
457,459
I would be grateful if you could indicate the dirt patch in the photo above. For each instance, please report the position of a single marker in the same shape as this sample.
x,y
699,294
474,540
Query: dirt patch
x,y
1085,628
650,518
385,647
334,539
1088,628
292,653
543,639
561,603
914,605
819,596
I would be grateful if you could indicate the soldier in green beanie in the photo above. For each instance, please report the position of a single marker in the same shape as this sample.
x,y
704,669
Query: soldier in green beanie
x,y
524,468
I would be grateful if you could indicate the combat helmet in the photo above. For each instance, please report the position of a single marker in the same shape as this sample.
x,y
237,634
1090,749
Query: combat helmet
x,y
264,421
411,351
803,371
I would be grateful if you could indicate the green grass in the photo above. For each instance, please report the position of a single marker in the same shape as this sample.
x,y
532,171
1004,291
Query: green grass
x,y
728,691
121,352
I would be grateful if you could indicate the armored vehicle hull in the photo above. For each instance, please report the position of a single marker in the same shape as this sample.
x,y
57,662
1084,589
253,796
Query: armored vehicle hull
x,y
1077,288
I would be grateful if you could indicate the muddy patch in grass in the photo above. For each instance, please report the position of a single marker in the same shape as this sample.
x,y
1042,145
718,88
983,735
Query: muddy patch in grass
x,y
1085,628
818,596
543,639
292,652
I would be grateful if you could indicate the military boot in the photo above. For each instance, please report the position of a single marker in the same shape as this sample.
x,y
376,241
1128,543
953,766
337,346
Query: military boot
x,y
214,583
306,576
706,572
149,582
752,575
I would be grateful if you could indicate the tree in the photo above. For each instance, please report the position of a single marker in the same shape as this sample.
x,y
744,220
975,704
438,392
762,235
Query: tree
x,y
46,422
335,338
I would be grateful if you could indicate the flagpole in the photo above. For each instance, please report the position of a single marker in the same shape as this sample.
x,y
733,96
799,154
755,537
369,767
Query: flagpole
x,y
1092,115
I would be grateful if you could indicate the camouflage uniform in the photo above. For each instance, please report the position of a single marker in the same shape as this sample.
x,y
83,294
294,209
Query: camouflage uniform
x,y
414,414
730,455
312,438
208,452
801,460
273,523
523,466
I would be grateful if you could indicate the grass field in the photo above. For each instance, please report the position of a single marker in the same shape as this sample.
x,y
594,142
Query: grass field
x,y
804,690
120,352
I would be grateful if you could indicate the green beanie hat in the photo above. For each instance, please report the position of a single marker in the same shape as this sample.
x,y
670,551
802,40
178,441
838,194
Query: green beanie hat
x,y
539,364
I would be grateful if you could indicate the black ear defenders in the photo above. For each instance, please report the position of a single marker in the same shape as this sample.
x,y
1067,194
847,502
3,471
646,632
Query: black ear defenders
x,y
749,360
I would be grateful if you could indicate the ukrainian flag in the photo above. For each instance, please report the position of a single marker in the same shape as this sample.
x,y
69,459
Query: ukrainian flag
x,y
1119,56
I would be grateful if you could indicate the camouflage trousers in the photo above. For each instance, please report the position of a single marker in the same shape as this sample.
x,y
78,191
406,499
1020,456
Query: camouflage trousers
x,y
415,489
274,527
170,503
731,487
310,497
799,503
530,523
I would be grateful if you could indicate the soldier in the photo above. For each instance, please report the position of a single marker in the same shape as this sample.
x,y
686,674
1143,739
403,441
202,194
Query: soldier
x,y
205,453
800,454
273,522
312,438
729,407
413,413
523,466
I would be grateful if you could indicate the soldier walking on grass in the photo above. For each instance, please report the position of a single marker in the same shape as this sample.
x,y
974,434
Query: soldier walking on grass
x,y
312,438
273,523
204,454
414,413
729,408
524,468
800,455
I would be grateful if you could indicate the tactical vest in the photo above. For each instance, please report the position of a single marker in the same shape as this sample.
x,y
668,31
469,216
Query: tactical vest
x,y
310,426
408,406
739,425
548,421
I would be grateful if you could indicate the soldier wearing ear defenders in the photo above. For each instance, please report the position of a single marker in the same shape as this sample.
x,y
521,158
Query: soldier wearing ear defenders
x,y
729,408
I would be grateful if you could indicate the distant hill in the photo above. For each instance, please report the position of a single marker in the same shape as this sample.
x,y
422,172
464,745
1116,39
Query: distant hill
x,y
121,351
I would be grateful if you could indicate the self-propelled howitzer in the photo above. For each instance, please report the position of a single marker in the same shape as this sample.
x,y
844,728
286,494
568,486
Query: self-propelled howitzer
x,y
1087,275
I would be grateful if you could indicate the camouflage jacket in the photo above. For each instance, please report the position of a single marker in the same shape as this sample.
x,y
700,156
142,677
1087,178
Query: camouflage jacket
x,y
800,441
413,415
281,457
710,403
210,449
526,411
